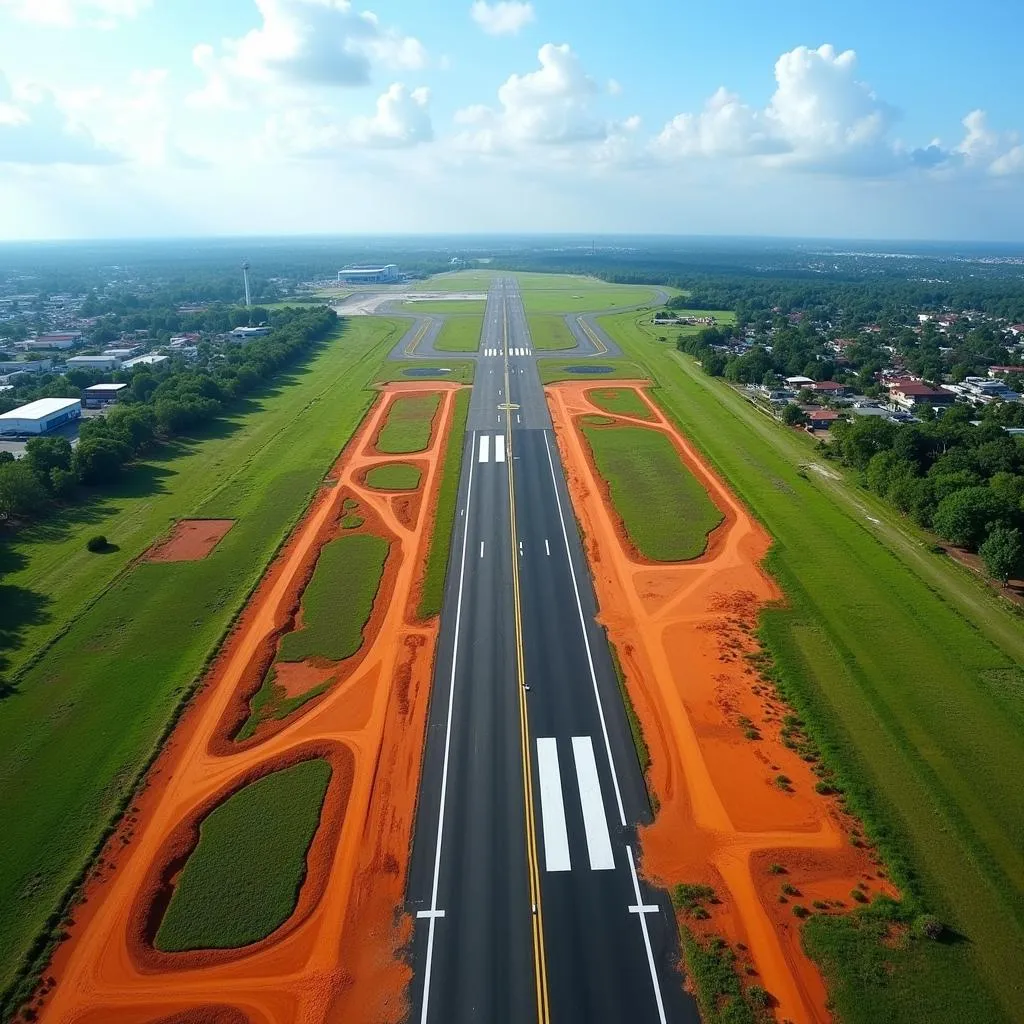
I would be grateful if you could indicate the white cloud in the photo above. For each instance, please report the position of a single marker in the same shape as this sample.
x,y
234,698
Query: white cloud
x,y
35,130
401,120
70,13
305,43
504,18
982,151
820,117
550,106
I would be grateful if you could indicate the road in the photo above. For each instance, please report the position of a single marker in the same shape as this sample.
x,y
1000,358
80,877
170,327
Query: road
x,y
523,878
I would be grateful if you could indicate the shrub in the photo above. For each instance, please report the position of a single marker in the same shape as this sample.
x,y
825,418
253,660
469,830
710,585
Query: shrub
x,y
783,781
824,788
759,997
97,544
857,896
790,890
776,869
801,911
928,926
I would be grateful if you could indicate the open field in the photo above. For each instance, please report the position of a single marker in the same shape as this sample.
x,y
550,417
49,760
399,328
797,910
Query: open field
x,y
457,281
455,371
666,512
242,880
907,675
449,307
86,716
409,424
336,604
549,332
621,402
441,540
369,727
395,476
593,296
554,370
460,334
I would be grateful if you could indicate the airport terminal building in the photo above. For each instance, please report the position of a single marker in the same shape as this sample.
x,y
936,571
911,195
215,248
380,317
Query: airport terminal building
x,y
369,275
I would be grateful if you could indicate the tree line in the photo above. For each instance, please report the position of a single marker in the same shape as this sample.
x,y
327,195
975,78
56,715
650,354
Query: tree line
x,y
157,407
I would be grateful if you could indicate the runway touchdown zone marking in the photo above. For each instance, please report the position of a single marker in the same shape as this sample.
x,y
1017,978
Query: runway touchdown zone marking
x,y
599,842
552,809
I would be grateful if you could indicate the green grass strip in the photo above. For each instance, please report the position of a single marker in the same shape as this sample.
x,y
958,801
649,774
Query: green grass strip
x,y
243,879
554,370
456,371
460,334
621,402
409,425
396,476
271,701
441,538
665,509
550,332
711,965
338,600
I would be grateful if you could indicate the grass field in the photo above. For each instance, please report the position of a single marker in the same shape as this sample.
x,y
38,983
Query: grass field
x,y
271,701
550,332
561,293
87,714
409,425
242,880
664,508
460,334
338,600
621,402
441,539
452,307
396,476
459,371
907,674
554,370
457,281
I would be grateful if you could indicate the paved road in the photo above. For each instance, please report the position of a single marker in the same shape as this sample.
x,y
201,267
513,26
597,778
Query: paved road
x,y
523,874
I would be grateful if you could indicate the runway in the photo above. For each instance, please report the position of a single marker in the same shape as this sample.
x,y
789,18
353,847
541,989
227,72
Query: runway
x,y
524,879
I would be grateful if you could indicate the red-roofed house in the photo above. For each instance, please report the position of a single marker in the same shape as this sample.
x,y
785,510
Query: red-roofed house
x,y
998,371
829,388
914,394
821,419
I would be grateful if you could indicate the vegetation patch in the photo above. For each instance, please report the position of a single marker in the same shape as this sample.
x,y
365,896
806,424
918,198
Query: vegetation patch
x,y
712,967
409,425
338,600
242,881
886,655
455,371
621,402
550,332
446,306
554,370
665,510
460,334
396,476
272,703
441,539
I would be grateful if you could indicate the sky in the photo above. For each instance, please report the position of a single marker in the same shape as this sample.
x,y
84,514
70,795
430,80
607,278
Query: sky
x,y
154,118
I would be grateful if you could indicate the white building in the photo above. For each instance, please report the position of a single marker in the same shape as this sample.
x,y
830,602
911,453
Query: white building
x,y
248,333
25,365
60,340
100,395
122,353
41,416
369,275
150,359
93,363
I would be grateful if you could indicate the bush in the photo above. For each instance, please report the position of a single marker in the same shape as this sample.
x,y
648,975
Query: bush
x,y
776,869
928,926
758,997
800,911
97,544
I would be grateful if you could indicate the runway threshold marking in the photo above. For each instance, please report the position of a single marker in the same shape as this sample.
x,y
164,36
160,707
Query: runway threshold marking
x,y
599,842
539,956
485,448
434,914
552,808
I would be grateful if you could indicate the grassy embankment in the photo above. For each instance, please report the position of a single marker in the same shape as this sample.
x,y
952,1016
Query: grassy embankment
x,y
909,680
550,332
666,511
395,476
447,498
621,402
460,334
242,880
409,425
92,707
554,370
458,371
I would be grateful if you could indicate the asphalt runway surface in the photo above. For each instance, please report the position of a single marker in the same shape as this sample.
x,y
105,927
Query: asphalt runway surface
x,y
523,880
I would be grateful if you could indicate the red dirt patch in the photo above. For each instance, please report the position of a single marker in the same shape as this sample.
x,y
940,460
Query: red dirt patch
x,y
191,540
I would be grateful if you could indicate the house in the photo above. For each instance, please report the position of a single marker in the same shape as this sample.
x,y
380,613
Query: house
x,y
1017,330
828,388
912,395
999,371
799,382
821,419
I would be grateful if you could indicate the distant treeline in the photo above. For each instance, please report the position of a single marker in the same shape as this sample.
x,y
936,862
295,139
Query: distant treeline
x,y
158,406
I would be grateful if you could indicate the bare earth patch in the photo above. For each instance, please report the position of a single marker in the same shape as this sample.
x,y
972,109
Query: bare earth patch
x,y
191,540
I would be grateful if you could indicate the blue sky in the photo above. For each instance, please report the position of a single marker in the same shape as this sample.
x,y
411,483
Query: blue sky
x,y
157,117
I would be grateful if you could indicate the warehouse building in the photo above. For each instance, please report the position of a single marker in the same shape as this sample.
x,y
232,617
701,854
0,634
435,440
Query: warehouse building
x,y
40,417
369,275
152,359
93,363
100,395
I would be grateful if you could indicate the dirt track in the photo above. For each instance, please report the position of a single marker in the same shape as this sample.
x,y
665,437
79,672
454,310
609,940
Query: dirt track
x,y
335,957
683,631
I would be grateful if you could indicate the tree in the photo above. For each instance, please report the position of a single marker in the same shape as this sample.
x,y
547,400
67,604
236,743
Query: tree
x,y
21,492
45,454
1002,551
965,517
793,415
99,459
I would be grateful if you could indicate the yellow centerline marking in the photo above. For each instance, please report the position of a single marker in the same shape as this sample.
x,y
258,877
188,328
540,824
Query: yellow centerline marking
x,y
414,344
601,347
539,959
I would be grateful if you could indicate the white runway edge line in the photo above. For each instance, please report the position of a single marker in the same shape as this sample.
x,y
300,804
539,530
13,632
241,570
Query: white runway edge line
x,y
552,809
642,913
586,638
485,448
434,913
599,842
